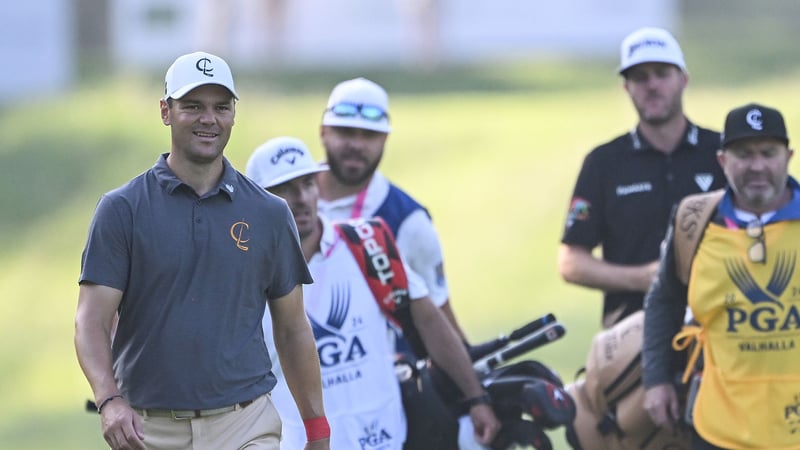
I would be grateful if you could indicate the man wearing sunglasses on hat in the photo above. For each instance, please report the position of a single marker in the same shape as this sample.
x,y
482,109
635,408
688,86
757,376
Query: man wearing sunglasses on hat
x,y
741,284
354,130
360,387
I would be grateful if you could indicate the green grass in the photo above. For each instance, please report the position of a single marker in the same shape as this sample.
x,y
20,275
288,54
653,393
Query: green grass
x,y
491,150
495,168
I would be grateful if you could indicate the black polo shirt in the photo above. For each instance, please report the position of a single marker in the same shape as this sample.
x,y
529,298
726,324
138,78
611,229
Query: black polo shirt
x,y
625,192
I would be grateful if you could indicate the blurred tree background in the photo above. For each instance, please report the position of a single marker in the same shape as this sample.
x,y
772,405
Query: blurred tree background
x,y
492,148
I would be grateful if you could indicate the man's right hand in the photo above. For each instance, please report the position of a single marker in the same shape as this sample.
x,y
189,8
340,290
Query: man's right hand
x,y
661,403
485,423
122,427
578,265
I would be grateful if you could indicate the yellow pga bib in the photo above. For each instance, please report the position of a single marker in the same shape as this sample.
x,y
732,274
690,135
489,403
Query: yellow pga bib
x,y
750,319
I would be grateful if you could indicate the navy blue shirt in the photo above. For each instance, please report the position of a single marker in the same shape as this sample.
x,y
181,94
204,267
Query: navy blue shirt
x,y
625,193
397,206
195,273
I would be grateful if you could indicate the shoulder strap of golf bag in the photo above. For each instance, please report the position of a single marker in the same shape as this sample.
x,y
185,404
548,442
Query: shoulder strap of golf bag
x,y
693,214
373,246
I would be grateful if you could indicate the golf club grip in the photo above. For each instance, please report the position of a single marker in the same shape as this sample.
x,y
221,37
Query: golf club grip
x,y
545,336
478,351
532,326
542,337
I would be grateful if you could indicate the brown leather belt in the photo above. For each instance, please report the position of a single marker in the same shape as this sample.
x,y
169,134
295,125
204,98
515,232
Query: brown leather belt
x,y
185,414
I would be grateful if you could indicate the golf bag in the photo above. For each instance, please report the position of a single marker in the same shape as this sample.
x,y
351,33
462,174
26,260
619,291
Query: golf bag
x,y
526,396
431,400
610,397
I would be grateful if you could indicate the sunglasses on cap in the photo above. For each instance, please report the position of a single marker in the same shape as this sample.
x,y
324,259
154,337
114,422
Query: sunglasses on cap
x,y
369,112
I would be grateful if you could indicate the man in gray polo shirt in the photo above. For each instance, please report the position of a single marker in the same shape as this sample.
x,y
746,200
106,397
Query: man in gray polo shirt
x,y
177,269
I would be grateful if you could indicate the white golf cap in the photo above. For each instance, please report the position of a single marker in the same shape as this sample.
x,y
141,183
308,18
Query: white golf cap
x,y
196,69
280,160
650,44
358,93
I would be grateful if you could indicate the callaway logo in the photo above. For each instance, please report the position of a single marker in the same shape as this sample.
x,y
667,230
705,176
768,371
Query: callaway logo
x,y
753,119
204,66
288,152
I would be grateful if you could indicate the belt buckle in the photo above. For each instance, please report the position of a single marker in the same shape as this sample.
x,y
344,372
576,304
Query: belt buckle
x,y
184,414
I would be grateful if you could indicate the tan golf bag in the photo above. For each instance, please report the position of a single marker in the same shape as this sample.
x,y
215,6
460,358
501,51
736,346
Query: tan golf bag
x,y
610,398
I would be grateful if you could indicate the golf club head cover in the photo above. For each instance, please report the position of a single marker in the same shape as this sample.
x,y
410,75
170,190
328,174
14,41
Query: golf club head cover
x,y
522,433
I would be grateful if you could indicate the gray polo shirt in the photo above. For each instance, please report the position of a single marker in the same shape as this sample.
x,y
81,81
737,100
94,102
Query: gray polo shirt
x,y
195,273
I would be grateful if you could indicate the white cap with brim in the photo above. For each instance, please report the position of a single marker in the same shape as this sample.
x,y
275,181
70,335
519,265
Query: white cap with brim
x,y
280,160
194,70
358,91
650,45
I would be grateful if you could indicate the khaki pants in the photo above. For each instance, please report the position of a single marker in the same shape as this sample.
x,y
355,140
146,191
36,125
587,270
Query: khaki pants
x,y
256,427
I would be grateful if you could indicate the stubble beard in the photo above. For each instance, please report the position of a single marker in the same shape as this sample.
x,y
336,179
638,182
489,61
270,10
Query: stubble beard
x,y
672,110
351,178
761,199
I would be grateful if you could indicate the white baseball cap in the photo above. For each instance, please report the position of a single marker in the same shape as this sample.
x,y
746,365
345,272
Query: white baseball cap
x,y
358,103
650,45
279,160
196,69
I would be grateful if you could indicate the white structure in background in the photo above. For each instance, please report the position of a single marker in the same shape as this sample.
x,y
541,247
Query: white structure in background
x,y
258,33
38,43
37,48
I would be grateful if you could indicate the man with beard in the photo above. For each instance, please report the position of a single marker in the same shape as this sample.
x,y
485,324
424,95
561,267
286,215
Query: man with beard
x,y
627,187
740,282
355,126
361,393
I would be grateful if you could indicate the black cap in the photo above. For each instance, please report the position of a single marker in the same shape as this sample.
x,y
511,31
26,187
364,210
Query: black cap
x,y
754,120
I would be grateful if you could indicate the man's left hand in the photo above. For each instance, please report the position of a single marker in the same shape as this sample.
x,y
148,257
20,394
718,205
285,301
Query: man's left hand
x,y
485,423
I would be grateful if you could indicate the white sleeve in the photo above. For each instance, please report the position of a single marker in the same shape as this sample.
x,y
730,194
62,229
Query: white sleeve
x,y
419,244
416,285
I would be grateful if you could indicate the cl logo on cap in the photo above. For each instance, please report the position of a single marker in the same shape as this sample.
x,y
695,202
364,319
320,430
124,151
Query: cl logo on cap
x,y
753,119
204,66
